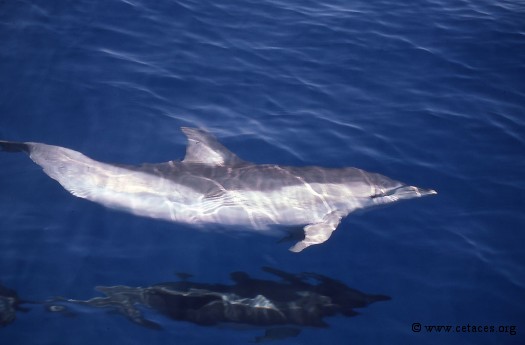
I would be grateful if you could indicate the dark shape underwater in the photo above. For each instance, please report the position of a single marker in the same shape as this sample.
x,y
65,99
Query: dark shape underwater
x,y
10,303
295,300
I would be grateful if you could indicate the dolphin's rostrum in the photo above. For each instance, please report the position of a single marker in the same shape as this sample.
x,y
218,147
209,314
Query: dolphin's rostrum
x,y
212,185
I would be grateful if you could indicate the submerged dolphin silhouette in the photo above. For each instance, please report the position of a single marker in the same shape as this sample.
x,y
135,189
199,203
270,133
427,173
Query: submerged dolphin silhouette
x,y
213,185
303,299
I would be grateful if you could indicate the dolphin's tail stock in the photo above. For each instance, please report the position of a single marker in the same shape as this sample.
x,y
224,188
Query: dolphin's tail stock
x,y
70,168
12,146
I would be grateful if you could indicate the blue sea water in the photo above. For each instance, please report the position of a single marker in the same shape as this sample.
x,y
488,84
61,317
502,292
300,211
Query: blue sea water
x,y
427,92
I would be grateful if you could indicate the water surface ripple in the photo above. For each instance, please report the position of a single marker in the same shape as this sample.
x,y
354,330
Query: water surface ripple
x,y
427,92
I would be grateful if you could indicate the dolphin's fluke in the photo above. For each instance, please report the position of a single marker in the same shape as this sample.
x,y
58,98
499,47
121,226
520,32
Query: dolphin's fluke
x,y
11,146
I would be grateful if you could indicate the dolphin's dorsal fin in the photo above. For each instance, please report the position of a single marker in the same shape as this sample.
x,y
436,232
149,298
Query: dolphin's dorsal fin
x,y
204,148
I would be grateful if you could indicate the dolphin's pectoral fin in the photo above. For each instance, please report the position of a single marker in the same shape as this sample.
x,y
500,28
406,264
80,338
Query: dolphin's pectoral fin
x,y
314,234
318,232
204,148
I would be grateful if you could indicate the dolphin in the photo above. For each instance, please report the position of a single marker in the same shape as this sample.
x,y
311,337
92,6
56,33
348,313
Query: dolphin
x,y
213,185
303,299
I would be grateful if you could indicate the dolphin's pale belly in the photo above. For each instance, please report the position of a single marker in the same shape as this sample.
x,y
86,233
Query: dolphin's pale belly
x,y
164,199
